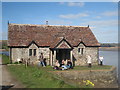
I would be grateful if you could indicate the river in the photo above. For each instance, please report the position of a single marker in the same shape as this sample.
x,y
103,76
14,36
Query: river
x,y
111,58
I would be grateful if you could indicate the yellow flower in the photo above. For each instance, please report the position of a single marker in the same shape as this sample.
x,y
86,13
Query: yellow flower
x,y
88,82
93,85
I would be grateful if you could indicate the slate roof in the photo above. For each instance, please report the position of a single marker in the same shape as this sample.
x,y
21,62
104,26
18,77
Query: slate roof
x,y
49,35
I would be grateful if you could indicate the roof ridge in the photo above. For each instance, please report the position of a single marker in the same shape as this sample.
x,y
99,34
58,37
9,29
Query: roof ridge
x,y
47,25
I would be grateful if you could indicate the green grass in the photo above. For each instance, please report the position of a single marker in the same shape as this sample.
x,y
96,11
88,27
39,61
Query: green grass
x,y
33,77
5,59
76,68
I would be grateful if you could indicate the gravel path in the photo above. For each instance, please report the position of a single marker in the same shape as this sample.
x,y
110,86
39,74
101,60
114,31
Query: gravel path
x,y
6,79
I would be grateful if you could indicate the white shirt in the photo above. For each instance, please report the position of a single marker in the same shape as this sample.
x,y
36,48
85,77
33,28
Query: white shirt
x,y
88,59
18,60
101,58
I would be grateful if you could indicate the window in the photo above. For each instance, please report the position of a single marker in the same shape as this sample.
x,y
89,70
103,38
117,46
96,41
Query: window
x,y
34,52
80,50
30,52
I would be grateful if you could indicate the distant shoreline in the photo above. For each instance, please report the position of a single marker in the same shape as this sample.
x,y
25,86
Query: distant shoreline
x,y
109,48
2,50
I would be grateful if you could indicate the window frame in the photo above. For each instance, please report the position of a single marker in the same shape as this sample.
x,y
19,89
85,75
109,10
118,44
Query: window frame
x,y
30,52
81,51
34,52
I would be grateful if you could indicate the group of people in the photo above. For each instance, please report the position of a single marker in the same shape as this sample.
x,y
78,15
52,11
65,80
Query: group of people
x,y
64,65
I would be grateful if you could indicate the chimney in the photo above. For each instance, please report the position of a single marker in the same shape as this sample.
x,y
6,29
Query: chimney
x,y
88,25
8,22
46,22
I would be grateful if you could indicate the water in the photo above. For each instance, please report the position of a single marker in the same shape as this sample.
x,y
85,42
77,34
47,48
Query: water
x,y
111,58
5,53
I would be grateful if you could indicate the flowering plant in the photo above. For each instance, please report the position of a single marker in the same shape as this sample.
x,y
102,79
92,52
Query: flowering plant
x,y
88,82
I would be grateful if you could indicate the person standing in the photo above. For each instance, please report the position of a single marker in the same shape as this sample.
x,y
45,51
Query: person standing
x,y
89,61
41,60
101,60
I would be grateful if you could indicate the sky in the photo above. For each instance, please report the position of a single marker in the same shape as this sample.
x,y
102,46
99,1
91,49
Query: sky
x,y
102,17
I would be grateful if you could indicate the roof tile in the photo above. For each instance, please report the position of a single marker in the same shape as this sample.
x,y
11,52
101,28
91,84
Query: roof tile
x,y
48,35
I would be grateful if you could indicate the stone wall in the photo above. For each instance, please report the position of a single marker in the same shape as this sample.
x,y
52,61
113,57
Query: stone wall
x,y
78,58
33,58
81,59
19,53
24,53
101,78
46,53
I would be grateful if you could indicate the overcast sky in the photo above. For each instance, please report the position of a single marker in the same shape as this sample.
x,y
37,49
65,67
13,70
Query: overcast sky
x,y
102,17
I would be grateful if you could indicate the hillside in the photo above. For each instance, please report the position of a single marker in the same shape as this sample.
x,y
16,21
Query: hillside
x,y
3,44
109,44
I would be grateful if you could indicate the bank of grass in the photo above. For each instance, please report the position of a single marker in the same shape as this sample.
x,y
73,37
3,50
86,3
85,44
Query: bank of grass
x,y
95,67
5,59
33,77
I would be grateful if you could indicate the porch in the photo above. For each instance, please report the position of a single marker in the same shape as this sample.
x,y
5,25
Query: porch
x,y
60,54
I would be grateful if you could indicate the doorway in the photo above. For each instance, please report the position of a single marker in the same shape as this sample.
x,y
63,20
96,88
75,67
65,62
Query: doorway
x,y
62,54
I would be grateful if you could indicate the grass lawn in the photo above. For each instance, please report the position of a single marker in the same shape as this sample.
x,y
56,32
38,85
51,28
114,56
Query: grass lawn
x,y
34,77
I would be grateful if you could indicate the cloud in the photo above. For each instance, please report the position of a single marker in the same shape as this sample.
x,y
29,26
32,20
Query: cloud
x,y
80,4
110,13
73,16
72,4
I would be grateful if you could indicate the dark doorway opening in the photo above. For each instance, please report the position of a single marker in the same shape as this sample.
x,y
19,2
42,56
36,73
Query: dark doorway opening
x,y
62,54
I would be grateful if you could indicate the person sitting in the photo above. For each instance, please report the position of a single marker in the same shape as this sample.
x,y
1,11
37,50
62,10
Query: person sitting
x,y
69,64
63,65
57,65
18,60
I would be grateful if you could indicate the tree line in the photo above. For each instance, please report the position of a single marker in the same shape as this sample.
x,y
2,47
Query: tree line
x,y
109,44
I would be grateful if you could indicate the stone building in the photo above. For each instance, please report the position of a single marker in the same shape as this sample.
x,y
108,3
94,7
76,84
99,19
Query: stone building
x,y
55,42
